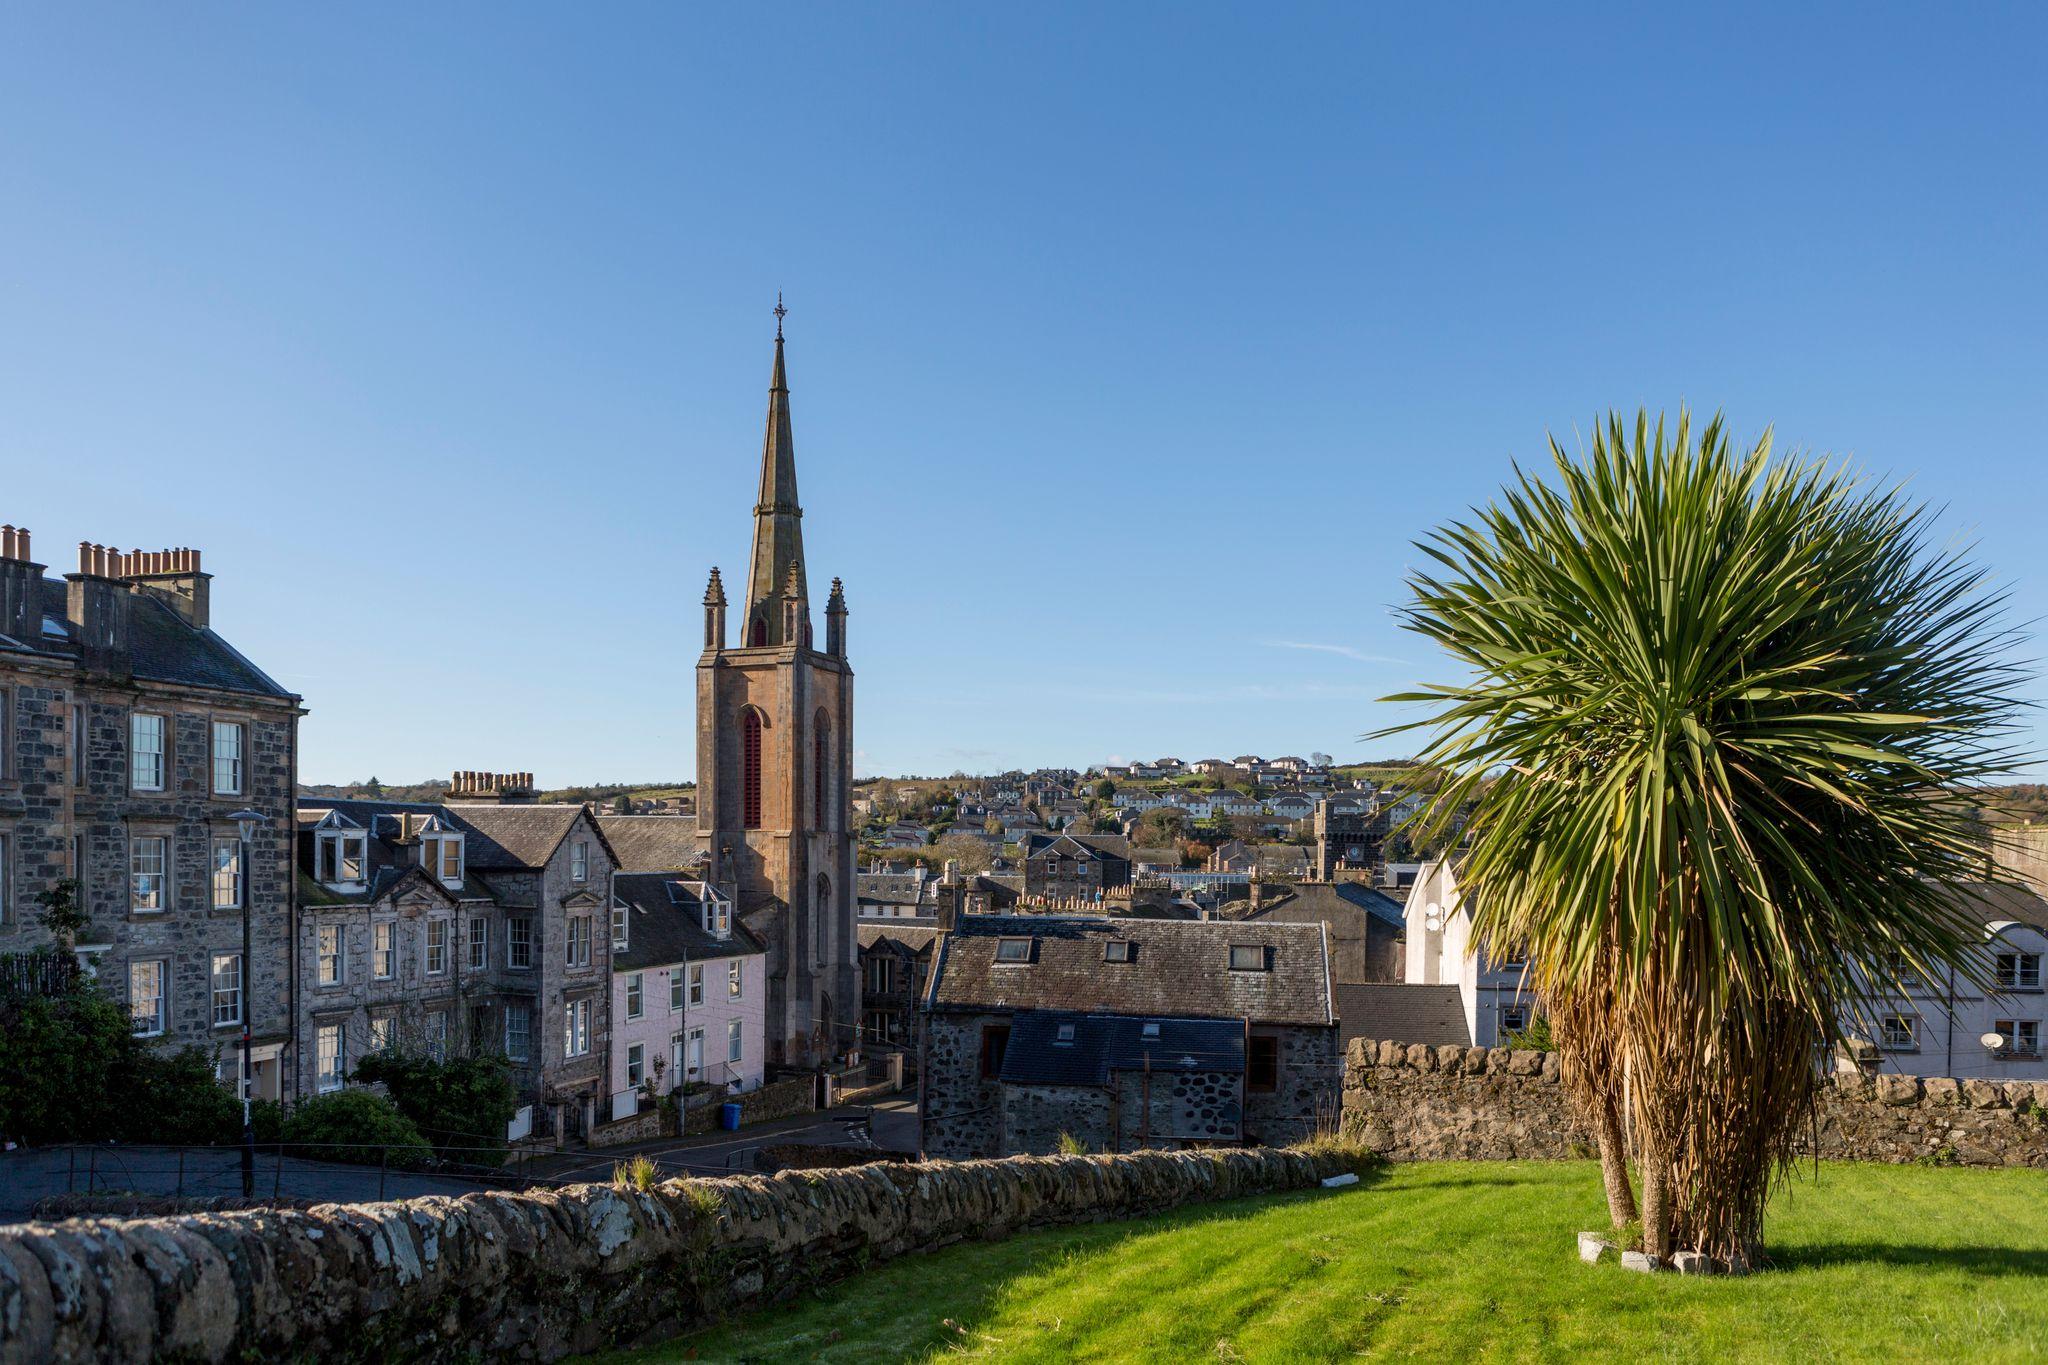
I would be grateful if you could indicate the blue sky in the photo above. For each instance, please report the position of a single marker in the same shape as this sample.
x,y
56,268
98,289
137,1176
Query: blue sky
x,y
1131,346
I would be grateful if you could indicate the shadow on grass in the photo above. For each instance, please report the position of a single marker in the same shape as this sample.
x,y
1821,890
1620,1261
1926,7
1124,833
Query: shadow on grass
x,y
1976,1260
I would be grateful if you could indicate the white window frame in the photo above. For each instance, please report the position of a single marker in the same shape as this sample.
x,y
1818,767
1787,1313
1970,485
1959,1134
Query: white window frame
x,y
717,914
1905,1038
579,860
434,947
435,847
636,995
621,927
137,843
153,777
522,1049
154,1024
323,956
478,938
233,766
2025,974
233,870
636,1065
383,1030
734,980
2016,1030
333,855
515,940
735,1041
233,1014
696,983
383,950
576,1028
330,1065
576,952
675,992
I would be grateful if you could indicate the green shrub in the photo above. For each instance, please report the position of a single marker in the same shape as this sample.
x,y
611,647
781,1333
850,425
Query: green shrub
x,y
358,1126
175,1099
1072,1146
461,1104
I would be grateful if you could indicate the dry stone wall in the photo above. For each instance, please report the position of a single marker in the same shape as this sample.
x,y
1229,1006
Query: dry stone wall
x,y
1413,1101
544,1274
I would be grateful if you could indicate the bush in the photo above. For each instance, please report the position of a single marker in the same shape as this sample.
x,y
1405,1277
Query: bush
x,y
174,1098
357,1126
462,1104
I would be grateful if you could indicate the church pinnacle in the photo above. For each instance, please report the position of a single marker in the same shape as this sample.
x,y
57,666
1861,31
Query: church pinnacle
x,y
775,577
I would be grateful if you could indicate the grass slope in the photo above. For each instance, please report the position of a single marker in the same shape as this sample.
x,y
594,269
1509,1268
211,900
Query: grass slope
x,y
1472,1261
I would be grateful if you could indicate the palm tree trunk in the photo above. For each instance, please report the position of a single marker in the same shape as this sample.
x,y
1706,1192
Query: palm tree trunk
x,y
1657,1206
1621,1196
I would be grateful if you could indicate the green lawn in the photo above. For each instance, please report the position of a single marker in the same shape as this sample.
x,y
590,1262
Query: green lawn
x,y
1453,1260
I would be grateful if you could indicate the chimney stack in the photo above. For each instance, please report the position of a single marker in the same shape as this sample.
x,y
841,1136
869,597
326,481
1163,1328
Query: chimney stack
x,y
507,789
21,588
174,578
97,610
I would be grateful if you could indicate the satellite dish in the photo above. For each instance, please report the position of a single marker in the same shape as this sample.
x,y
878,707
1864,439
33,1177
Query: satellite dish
x,y
1433,917
1993,1042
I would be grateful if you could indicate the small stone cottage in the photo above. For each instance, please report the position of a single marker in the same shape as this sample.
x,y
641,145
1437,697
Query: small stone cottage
x,y
1126,1034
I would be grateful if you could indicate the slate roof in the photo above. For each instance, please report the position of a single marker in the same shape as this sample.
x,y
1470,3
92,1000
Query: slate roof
x,y
652,843
665,924
1335,901
1181,968
890,888
163,648
1106,847
1407,1014
520,837
916,935
1102,1043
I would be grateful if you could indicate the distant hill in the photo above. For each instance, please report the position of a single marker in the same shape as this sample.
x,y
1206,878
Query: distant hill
x,y
436,789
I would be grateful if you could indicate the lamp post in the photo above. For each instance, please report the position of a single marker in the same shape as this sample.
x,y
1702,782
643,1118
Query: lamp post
x,y
247,822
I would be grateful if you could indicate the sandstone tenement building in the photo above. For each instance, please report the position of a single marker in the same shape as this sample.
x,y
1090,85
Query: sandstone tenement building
x,y
130,735
486,923
774,763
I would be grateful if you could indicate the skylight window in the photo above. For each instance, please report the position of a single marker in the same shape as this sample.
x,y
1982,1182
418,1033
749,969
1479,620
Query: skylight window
x,y
1066,1034
1247,957
1013,950
1119,950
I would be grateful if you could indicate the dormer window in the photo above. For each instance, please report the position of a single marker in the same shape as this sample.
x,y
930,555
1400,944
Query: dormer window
x,y
1013,950
717,914
341,854
441,856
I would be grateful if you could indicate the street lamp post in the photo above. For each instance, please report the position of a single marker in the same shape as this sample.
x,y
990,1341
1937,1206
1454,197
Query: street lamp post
x,y
247,822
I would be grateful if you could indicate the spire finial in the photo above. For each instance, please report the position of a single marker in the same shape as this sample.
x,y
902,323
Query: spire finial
x,y
780,314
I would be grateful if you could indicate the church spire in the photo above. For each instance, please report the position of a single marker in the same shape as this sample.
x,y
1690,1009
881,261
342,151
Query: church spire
x,y
776,573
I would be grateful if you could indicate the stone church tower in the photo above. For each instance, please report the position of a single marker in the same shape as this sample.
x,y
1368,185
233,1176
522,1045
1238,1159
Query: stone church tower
x,y
774,767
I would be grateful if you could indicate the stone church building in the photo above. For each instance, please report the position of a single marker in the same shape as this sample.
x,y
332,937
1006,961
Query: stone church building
x,y
774,767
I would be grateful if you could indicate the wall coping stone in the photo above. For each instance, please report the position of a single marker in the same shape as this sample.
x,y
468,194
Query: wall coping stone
x,y
542,1274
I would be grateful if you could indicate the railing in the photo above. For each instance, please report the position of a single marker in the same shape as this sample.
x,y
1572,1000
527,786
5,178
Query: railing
x,y
38,972
283,1170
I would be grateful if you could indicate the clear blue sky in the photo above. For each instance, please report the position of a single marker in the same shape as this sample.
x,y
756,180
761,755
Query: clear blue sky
x,y
1131,346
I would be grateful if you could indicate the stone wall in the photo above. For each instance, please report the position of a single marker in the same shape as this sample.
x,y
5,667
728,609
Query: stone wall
x,y
1416,1102
657,1120
544,1274
776,1100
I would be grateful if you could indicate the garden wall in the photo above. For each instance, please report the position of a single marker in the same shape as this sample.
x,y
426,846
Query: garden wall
x,y
1418,1102
544,1274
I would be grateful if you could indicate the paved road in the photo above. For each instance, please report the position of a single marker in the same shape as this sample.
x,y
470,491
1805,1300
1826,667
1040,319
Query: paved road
x,y
889,1126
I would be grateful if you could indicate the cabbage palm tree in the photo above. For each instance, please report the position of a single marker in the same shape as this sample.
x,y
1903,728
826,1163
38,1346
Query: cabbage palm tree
x,y
1715,713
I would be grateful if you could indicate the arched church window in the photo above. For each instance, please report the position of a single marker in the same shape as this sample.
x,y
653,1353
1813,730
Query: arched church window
x,y
821,909
757,633
750,769
821,773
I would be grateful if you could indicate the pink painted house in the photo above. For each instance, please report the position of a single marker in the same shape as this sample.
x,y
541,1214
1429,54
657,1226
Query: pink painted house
x,y
688,988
